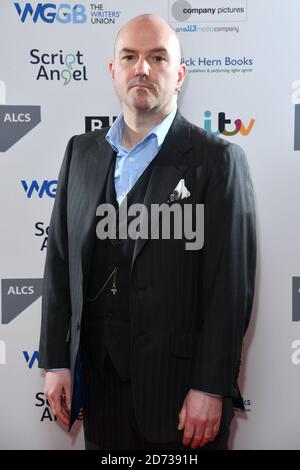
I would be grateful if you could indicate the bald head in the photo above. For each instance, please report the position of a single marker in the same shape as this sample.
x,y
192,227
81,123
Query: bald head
x,y
146,70
147,24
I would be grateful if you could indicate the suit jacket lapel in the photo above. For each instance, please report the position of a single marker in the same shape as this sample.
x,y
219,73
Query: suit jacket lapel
x,y
99,164
167,171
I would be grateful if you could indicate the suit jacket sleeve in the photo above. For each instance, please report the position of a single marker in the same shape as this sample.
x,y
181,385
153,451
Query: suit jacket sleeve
x,y
228,273
56,306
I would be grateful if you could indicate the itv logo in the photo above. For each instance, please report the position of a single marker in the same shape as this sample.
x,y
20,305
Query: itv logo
x,y
63,13
223,121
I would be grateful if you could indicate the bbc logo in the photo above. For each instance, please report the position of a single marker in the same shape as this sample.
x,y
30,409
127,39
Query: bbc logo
x,y
94,123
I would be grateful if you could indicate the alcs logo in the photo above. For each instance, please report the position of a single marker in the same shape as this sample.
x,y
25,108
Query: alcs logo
x,y
17,295
63,13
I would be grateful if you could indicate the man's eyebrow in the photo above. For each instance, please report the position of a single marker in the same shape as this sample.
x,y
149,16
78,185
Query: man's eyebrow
x,y
132,51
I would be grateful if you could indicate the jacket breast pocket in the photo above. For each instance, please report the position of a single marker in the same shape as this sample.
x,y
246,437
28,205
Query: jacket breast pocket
x,y
182,344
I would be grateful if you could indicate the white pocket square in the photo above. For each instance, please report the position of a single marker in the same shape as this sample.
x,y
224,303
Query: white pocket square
x,y
180,192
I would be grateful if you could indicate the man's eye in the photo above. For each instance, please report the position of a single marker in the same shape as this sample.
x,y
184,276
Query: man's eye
x,y
159,58
128,57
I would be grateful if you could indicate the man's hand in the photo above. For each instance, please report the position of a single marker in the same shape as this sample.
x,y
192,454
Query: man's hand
x,y
58,392
200,418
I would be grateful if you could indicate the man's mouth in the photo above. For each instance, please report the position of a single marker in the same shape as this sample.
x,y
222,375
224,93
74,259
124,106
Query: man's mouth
x,y
142,85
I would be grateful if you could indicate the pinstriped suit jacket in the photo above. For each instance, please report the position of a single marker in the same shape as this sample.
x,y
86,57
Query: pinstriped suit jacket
x,y
189,309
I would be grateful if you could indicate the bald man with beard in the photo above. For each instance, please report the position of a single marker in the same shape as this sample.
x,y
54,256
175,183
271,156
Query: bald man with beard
x,y
143,334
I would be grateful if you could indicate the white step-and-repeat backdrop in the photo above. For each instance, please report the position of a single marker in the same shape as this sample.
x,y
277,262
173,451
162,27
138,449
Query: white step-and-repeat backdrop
x,y
243,83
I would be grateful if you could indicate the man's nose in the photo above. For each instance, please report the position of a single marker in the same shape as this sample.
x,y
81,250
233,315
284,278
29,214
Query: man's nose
x,y
142,67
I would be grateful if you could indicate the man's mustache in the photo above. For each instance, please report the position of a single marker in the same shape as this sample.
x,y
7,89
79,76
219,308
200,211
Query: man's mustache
x,y
141,81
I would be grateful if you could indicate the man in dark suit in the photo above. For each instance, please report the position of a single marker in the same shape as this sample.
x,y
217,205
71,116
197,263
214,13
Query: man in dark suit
x,y
145,332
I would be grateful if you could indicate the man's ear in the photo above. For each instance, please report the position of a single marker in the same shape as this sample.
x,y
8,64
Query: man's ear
x,y
181,74
111,69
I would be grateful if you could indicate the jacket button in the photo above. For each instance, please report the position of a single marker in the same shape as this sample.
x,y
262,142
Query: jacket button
x,y
108,316
78,326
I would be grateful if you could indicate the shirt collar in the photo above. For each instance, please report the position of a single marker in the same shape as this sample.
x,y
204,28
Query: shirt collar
x,y
115,133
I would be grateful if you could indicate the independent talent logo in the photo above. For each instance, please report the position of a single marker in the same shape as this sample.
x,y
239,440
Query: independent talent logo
x,y
59,66
15,120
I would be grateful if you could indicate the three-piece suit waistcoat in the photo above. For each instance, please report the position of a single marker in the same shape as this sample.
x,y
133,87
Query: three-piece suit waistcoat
x,y
106,316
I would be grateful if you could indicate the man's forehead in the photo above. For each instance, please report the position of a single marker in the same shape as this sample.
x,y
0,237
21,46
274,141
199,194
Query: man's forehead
x,y
145,43
140,48
146,35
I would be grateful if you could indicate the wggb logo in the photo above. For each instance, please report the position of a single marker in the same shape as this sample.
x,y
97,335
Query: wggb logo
x,y
46,188
31,358
63,13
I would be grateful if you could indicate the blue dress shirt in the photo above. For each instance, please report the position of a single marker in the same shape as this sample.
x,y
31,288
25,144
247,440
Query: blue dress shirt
x,y
130,164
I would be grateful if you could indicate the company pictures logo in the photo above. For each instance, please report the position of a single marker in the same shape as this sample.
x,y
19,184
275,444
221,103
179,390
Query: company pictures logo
x,y
15,120
59,66
65,13
205,11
